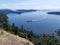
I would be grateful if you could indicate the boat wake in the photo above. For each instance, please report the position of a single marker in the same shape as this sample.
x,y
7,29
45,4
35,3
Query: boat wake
x,y
36,20
39,19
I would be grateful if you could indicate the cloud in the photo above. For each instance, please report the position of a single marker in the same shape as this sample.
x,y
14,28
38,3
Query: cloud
x,y
32,4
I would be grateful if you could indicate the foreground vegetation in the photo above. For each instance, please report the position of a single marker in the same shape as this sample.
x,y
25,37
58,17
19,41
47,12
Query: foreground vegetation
x,y
42,39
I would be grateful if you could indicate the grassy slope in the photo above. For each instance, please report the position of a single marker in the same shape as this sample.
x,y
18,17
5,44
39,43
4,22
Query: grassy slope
x,y
10,39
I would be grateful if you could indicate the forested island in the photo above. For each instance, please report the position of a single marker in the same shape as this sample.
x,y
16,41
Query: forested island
x,y
41,39
55,13
20,11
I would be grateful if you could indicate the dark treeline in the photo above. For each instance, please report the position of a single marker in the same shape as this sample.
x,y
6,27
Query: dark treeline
x,y
20,11
42,39
55,13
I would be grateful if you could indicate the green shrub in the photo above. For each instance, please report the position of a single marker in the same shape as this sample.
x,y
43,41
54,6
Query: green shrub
x,y
1,32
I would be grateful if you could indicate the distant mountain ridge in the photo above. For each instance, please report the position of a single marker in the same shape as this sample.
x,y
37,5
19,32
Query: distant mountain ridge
x,y
7,11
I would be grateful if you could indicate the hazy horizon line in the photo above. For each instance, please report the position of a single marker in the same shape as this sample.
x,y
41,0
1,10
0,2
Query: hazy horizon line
x,y
30,9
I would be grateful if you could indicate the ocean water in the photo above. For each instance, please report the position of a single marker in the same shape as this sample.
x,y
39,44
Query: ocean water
x,y
41,21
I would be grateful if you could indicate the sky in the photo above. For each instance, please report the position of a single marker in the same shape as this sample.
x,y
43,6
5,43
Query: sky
x,y
30,4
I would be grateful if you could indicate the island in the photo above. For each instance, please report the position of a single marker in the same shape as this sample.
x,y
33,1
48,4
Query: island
x,y
29,21
55,13
20,11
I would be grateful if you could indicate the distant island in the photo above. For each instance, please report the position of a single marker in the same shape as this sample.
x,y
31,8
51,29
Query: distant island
x,y
20,11
55,13
29,21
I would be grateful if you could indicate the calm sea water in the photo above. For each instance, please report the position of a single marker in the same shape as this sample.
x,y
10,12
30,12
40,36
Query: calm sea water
x,y
41,21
